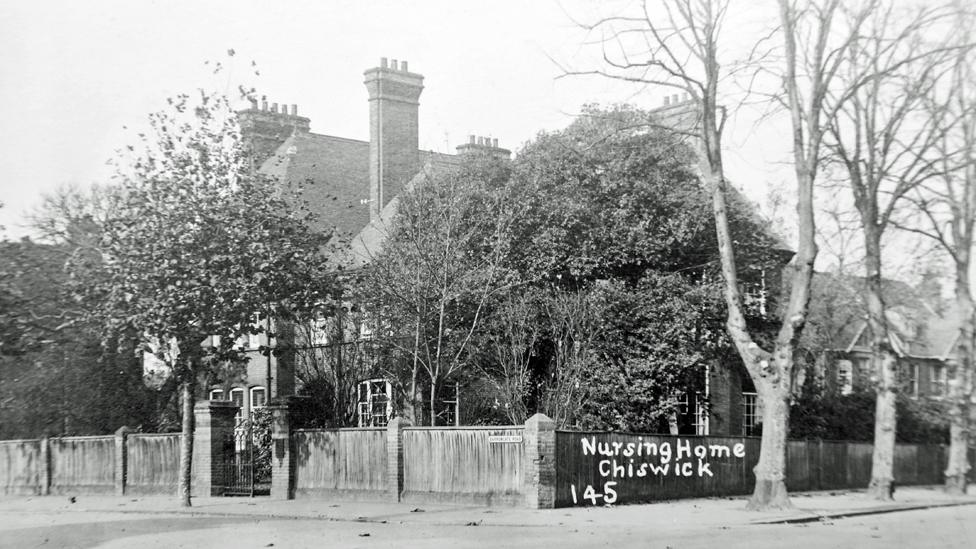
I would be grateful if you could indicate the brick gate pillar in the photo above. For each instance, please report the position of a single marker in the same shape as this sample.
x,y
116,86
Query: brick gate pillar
x,y
539,437
394,457
213,446
282,453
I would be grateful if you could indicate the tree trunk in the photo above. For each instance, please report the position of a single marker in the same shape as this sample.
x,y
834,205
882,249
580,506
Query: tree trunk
x,y
433,403
883,362
186,442
883,460
770,491
961,385
958,467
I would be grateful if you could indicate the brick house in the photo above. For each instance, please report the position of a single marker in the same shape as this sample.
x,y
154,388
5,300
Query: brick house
x,y
354,185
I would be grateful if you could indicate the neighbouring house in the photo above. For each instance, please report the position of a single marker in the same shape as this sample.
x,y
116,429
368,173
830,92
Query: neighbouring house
x,y
922,330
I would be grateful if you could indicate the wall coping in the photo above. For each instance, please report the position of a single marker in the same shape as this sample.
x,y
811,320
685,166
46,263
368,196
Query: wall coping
x,y
463,428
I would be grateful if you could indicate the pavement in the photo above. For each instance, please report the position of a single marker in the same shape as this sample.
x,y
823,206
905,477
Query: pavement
x,y
674,515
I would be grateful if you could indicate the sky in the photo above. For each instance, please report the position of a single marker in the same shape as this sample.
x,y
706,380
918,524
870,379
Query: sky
x,y
77,79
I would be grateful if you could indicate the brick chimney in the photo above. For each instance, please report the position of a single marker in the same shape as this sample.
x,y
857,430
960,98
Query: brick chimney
x,y
483,145
266,128
394,105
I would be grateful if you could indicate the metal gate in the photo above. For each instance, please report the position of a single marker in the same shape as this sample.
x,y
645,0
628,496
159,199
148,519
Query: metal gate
x,y
247,458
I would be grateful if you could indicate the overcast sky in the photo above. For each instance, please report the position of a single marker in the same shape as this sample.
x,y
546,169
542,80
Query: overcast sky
x,y
73,74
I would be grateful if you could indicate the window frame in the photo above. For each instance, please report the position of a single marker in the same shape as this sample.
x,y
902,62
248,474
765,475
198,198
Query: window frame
x,y
367,400
750,414
255,389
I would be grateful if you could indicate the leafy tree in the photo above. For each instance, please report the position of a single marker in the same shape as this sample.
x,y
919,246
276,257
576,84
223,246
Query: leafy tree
x,y
440,267
55,377
653,344
196,243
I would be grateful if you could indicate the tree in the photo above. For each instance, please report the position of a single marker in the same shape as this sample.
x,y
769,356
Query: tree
x,y
947,203
55,377
195,244
616,225
883,139
678,47
440,266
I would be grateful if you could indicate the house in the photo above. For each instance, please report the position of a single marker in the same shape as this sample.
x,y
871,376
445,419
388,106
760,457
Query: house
x,y
923,334
354,186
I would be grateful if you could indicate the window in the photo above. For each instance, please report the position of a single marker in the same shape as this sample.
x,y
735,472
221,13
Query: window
x,y
237,397
911,384
696,413
318,329
258,397
845,377
750,414
375,403
217,394
365,325
450,415
938,386
754,296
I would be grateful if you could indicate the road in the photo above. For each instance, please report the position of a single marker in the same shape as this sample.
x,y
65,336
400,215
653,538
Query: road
x,y
947,527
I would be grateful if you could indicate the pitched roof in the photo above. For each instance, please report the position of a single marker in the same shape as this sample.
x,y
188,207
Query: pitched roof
x,y
915,328
335,174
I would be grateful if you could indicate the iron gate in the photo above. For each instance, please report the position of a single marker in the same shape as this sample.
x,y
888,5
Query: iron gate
x,y
247,457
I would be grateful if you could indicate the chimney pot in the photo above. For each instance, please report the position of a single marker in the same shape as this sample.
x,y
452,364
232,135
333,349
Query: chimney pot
x,y
254,103
274,108
481,140
264,105
471,139
382,62
294,109
494,142
403,66
393,64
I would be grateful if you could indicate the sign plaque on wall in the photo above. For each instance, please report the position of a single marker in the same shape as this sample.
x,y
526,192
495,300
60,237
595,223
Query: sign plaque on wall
x,y
504,439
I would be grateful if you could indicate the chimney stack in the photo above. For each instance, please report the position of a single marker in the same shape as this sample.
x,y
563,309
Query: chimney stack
x,y
483,145
394,107
266,128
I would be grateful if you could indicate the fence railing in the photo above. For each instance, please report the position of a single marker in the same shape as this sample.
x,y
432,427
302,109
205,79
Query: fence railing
x,y
593,468
533,465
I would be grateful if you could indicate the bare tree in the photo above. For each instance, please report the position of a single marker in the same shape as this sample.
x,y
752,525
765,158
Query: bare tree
x,y
440,268
506,365
573,325
882,137
948,207
680,49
